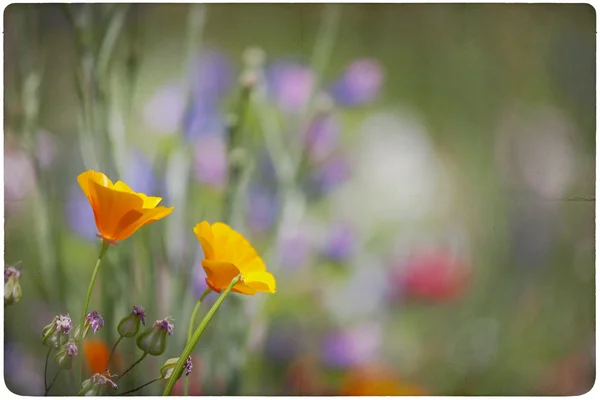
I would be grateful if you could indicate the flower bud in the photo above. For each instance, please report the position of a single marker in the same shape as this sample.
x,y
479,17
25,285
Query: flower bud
x,y
56,333
129,326
93,320
95,385
12,286
167,369
64,357
154,340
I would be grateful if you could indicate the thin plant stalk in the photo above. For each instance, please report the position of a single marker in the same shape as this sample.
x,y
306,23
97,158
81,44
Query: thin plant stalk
x,y
139,360
191,330
113,352
105,245
141,387
192,343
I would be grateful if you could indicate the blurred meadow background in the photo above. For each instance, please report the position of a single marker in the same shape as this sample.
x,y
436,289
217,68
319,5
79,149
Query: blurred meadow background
x,y
419,178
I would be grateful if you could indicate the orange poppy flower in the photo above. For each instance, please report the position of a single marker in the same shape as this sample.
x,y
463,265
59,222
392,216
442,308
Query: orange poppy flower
x,y
118,210
97,353
375,380
228,254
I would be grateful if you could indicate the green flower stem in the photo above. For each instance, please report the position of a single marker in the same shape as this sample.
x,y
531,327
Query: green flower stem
x,y
105,245
192,343
53,382
141,387
46,369
130,368
191,330
113,351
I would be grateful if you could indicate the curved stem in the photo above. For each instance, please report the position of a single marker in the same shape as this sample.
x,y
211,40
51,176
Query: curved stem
x,y
112,352
191,330
105,245
130,368
52,384
141,387
46,368
192,343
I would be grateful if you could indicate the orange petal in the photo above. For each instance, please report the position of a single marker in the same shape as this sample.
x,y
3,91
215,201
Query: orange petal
x,y
149,201
135,219
219,274
242,288
96,353
260,281
110,207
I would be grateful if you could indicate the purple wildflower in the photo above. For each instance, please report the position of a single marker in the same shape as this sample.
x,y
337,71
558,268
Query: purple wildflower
x,y
290,84
188,366
139,311
72,350
356,346
63,324
210,80
165,324
164,111
322,137
332,173
95,320
262,209
103,380
11,272
341,242
210,164
360,84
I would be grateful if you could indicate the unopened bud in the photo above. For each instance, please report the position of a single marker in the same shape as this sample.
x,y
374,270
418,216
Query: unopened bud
x,y
12,285
65,356
130,325
154,339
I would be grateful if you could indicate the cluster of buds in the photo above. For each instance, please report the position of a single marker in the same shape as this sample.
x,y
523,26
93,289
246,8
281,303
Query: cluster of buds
x,y
95,385
130,325
64,357
12,286
154,339
169,366
56,333
93,320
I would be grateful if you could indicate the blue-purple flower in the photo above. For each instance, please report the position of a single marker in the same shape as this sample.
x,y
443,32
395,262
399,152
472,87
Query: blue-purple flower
x,y
340,243
321,138
164,111
210,161
358,345
188,366
262,207
94,320
165,324
330,175
139,312
294,248
211,78
360,84
290,85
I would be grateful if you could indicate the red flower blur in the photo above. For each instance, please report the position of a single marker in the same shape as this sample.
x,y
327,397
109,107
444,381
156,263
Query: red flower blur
x,y
431,274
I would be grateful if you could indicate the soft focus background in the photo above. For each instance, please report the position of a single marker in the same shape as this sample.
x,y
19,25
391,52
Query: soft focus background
x,y
418,178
